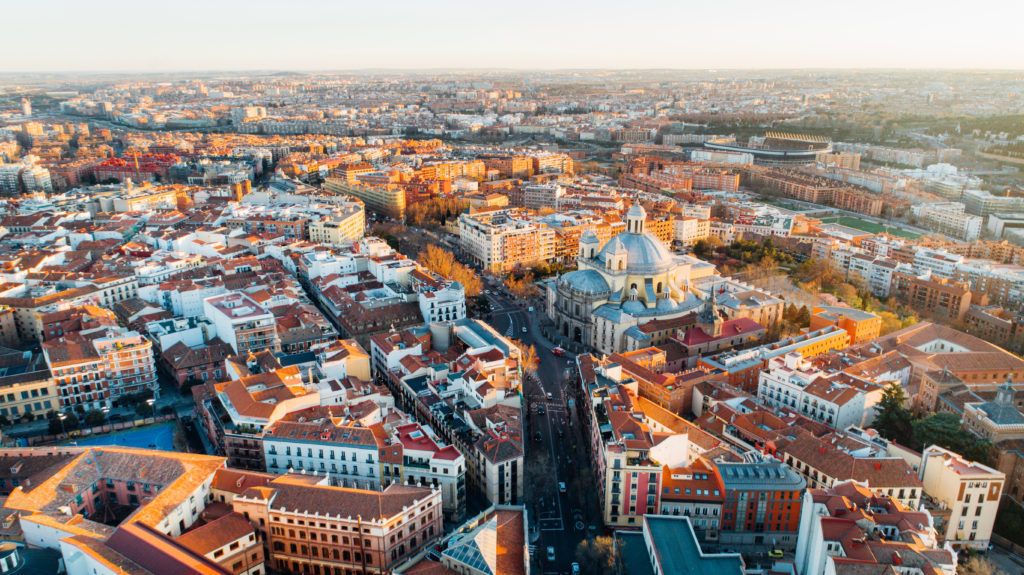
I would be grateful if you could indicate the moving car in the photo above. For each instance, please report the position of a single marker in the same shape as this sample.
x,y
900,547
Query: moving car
x,y
541,410
551,553
537,436
561,487
575,569
558,351
525,330
775,553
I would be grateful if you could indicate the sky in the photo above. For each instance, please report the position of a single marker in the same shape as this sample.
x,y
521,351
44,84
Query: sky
x,y
194,35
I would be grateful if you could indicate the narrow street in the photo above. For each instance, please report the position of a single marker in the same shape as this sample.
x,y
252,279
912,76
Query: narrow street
x,y
561,502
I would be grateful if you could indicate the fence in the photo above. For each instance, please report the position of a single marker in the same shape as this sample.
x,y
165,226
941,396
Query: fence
x,y
100,429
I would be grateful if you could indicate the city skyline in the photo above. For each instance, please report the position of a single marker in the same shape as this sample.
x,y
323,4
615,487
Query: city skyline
x,y
458,35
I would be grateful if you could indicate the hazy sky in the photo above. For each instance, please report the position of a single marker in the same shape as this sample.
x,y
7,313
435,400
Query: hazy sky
x,y
145,35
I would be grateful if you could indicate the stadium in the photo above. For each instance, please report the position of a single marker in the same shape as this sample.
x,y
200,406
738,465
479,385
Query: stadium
x,y
776,148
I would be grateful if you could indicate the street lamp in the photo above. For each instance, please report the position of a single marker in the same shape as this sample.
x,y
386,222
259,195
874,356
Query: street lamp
x,y
61,416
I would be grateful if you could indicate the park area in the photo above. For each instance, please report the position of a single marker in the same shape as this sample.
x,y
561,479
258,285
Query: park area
x,y
872,227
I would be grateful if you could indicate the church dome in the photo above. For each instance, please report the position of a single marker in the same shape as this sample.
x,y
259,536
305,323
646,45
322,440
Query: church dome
x,y
645,254
588,281
634,307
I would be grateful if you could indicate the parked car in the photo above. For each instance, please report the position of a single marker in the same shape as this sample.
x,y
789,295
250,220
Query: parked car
x,y
561,487
551,553
775,553
575,569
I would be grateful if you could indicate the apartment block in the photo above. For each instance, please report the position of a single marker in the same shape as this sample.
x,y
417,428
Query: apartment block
x,y
309,526
968,490
242,323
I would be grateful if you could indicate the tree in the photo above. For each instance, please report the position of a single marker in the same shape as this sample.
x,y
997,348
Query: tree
x,y
892,419
791,312
524,287
55,425
848,294
979,566
944,430
599,555
442,262
803,317
95,417
528,357
144,409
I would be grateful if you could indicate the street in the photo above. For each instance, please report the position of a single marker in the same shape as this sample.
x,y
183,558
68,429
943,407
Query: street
x,y
560,519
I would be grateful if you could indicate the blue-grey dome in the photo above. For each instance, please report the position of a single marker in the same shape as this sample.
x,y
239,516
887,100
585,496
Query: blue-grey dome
x,y
635,307
645,254
587,281
667,304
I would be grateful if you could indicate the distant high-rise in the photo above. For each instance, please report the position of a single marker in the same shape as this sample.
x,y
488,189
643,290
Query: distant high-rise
x,y
26,107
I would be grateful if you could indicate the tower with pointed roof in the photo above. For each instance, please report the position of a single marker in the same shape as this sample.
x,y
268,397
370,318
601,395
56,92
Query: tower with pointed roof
x,y
708,319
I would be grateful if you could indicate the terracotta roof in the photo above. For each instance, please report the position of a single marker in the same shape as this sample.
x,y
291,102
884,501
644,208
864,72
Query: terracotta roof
x,y
216,534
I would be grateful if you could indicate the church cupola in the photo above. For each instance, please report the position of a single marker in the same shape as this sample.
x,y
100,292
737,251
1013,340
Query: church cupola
x,y
636,219
589,245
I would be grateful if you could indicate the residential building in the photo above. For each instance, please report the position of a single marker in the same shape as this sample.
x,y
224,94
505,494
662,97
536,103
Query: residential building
x,y
849,529
242,323
861,325
504,240
762,503
968,490
308,526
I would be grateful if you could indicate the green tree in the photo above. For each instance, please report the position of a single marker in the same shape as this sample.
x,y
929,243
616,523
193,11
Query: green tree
x,y
791,312
95,417
803,317
55,425
892,419
942,429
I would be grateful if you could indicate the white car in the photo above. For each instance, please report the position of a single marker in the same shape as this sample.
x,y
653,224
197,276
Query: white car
x,y
525,330
551,553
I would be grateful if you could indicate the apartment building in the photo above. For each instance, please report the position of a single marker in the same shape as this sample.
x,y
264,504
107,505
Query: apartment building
x,y
932,295
861,325
537,196
427,463
790,381
348,454
949,218
339,228
504,240
849,528
763,497
984,203
388,199
310,527
26,385
968,490
690,230
242,323
95,372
